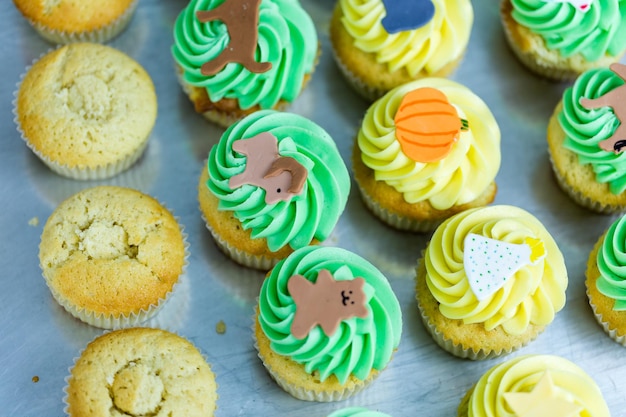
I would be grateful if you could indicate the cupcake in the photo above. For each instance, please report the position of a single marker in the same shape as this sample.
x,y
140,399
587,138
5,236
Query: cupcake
x,y
111,256
534,385
357,412
586,136
381,44
560,40
326,345
274,182
261,58
86,110
606,281
490,280
140,371
426,150
65,21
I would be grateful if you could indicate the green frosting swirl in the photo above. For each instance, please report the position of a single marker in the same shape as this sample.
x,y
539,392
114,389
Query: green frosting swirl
x,y
286,38
612,264
360,344
584,129
311,214
356,412
594,34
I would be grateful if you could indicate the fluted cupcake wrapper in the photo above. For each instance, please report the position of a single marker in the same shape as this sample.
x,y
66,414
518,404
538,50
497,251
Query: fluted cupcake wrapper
x,y
98,35
366,91
612,333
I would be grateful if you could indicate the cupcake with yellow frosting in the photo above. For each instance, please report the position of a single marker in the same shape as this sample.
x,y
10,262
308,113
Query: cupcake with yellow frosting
x,y
606,281
490,280
238,56
534,385
327,323
425,151
381,44
562,39
586,140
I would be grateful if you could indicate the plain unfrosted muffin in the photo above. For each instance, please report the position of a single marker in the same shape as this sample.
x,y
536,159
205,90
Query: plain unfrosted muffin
x,y
357,412
274,182
534,385
111,255
490,280
86,110
260,59
585,139
140,372
606,281
561,40
379,49
327,323
65,21
424,151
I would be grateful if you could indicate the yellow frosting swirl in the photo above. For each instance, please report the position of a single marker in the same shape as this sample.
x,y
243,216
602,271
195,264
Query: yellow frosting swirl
x,y
458,178
571,385
532,295
428,48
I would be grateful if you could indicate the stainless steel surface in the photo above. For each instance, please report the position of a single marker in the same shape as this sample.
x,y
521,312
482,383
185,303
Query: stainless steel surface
x,y
39,339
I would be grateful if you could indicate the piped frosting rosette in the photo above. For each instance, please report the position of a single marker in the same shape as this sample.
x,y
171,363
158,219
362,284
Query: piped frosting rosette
x,y
286,38
533,385
597,31
428,48
459,177
359,348
357,412
310,214
497,270
585,129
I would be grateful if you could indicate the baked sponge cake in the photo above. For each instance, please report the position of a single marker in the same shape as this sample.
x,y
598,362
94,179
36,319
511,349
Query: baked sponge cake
x,y
274,182
560,40
490,280
382,44
141,372
327,323
425,151
235,57
534,385
112,256
586,140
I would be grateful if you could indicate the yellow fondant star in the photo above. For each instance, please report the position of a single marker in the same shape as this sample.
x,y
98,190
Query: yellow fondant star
x,y
541,401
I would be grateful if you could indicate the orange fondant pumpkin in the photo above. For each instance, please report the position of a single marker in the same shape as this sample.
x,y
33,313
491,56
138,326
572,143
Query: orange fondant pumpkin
x,y
427,125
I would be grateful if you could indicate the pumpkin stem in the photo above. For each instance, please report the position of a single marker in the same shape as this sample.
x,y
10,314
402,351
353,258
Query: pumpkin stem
x,y
464,125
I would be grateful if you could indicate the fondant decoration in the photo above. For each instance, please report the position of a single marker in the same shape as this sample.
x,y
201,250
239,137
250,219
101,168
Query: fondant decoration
x,y
281,177
542,401
582,5
616,99
326,302
407,14
489,263
241,17
427,125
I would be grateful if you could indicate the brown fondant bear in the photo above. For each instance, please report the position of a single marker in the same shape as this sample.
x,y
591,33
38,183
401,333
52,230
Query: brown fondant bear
x,y
242,19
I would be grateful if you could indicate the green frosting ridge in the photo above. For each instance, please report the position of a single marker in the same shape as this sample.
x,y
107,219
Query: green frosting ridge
x,y
286,37
593,34
311,214
585,129
356,412
360,344
612,264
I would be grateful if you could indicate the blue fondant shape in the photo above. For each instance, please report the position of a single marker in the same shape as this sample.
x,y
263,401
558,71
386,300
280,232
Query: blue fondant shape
x,y
407,14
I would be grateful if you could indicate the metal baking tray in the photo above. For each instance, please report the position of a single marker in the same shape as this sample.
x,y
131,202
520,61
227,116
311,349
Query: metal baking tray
x,y
39,340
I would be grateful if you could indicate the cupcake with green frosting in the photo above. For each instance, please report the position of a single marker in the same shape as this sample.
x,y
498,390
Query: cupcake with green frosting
x,y
585,140
275,182
606,281
327,323
235,57
357,412
562,39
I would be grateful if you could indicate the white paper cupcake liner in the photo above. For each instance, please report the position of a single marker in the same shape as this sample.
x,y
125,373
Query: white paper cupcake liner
x,y
612,333
98,35
109,321
84,173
